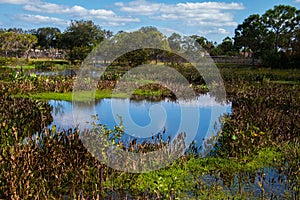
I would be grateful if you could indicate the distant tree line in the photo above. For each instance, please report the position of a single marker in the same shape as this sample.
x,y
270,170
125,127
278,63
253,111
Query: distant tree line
x,y
79,38
274,38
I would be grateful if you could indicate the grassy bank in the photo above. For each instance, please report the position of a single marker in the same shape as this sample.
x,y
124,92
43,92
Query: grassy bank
x,y
78,96
90,95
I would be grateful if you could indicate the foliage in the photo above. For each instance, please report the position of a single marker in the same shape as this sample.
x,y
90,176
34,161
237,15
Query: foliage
x,y
140,42
272,36
48,64
204,43
8,61
251,34
227,47
17,43
48,37
80,38
261,112
22,117
282,21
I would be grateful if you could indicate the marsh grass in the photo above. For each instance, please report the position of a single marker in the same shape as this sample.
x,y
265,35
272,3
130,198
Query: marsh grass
x,y
256,156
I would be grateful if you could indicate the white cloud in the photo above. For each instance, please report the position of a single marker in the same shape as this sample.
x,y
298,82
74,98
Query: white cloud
x,y
42,7
297,0
39,19
222,31
110,18
211,6
107,17
192,14
140,7
17,2
214,31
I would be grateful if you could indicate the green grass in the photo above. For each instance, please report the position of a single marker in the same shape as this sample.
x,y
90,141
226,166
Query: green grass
x,y
19,67
78,95
88,95
148,92
285,82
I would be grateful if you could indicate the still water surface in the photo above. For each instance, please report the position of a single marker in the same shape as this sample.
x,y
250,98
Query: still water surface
x,y
198,118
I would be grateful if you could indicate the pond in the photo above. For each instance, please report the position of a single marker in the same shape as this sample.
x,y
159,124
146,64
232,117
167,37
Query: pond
x,y
198,118
166,116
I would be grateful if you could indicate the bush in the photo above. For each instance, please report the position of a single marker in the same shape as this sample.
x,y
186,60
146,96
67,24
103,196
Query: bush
x,y
47,64
11,61
280,60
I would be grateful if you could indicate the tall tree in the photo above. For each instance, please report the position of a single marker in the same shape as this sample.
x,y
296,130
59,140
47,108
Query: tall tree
x,y
47,37
251,34
81,37
281,21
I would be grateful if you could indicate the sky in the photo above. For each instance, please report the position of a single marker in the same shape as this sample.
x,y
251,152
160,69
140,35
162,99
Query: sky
x,y
213,19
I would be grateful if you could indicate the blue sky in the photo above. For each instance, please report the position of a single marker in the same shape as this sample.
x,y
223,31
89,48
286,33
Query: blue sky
x,y
214,19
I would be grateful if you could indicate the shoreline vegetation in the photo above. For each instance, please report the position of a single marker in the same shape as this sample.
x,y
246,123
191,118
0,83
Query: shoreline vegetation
x,y
257,148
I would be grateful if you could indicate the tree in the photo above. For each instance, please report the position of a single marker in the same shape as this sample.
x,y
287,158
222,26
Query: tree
x,y
148,29
174,41
151,35
148,42
16,30
26,42
80,38
251,34
282,21
204,42
272,36
47,37
227,46
8,42
17,43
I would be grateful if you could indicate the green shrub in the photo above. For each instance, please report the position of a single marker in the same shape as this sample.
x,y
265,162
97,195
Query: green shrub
x,y
10,61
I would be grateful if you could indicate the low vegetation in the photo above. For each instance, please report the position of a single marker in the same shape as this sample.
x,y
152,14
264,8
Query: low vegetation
x,y
257,151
